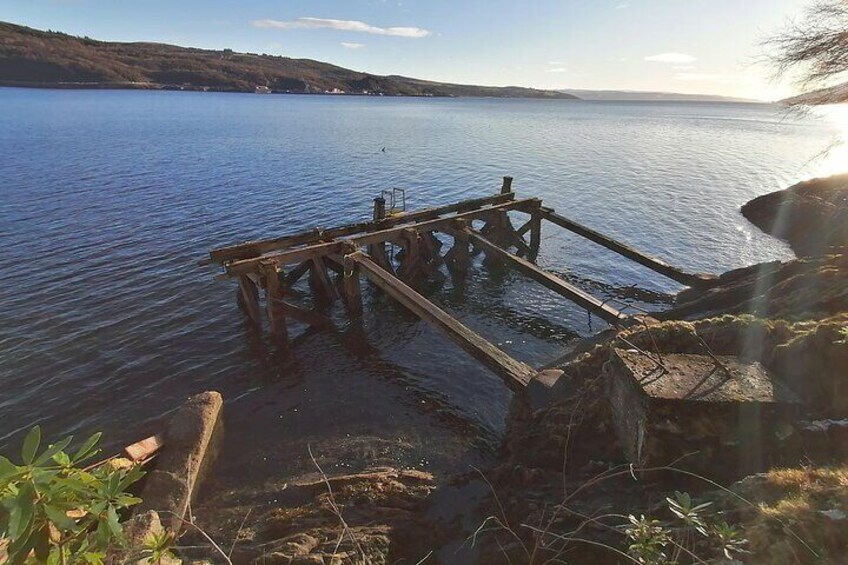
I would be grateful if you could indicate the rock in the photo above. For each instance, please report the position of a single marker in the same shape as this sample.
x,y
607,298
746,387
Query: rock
x,y
815,363
811,215
189,451
801,289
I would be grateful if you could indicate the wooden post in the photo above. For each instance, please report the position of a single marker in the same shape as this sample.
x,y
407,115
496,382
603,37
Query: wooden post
x,y
458,258
378,250
410,268
350,283
506,188
535,235
379,209
273,297
249,299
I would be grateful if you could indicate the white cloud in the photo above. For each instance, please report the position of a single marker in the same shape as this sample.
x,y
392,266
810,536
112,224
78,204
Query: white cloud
x,y
622,6
347,45
557,70
555,63
671,58
341,25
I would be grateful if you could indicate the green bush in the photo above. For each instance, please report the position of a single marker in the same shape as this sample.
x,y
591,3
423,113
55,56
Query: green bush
x,y
55,511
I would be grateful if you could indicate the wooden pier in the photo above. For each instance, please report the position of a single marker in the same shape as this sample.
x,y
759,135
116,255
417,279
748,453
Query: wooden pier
x,y
335,259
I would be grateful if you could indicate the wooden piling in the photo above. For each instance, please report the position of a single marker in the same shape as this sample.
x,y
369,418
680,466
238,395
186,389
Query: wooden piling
x,y
249,299
506,187
274,294
535,235
458,258
351,289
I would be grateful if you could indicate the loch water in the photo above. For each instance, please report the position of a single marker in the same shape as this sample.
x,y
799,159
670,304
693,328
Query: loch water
x,y
109,199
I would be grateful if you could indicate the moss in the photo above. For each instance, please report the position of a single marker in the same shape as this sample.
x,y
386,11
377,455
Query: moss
x,y
800,515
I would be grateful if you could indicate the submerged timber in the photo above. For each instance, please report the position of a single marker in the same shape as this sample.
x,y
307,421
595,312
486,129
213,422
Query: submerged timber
x,y
356,250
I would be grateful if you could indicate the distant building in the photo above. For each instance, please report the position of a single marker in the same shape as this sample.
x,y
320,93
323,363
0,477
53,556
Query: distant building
x,y
262,90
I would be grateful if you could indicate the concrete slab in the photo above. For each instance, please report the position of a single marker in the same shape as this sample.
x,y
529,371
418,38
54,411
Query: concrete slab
x,y
718,414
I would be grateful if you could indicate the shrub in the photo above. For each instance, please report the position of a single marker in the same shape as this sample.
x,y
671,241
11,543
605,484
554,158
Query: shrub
x,y
57,512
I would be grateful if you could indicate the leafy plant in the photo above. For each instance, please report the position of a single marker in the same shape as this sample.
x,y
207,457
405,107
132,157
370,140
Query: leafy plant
x,y
653,542
57,512
649,539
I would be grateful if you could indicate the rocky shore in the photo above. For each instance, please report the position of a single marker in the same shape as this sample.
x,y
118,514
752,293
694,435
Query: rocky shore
x,y
812,216
736,397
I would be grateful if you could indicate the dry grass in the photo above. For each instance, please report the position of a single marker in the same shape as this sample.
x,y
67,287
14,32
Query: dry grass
x,y
813,502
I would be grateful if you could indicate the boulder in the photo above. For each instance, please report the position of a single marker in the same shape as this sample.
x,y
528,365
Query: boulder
x,y
188,453
812,216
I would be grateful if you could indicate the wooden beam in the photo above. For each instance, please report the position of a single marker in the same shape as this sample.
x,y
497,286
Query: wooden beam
x,y
314,319
381,236
515,374
249,299
283,257
525,228
320,282
655,265
552,282
294,275
255,248
410,268
435,225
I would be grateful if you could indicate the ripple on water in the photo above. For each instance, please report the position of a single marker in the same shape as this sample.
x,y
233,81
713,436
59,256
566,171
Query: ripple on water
x,y
111,198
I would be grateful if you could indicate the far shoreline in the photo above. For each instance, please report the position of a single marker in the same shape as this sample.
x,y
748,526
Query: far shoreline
x,y
203,89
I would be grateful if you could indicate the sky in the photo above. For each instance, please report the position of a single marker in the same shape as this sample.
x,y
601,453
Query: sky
x,y
688,46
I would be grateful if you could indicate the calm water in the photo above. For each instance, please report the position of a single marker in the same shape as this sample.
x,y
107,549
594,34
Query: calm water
x,y
110,199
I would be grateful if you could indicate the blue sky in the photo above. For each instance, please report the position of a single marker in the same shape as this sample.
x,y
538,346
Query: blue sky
x,y
696,46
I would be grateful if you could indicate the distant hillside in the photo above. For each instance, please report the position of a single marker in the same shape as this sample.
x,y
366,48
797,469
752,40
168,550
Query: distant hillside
x,y
637,96
30,57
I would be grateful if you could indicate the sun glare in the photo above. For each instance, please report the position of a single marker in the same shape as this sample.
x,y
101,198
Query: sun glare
x,y
835,159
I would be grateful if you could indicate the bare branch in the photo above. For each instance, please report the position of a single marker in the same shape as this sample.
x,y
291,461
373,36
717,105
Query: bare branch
x,y
816,48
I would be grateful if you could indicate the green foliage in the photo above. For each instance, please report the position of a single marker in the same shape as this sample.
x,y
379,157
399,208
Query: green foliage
x,y
157,547
57,512
692,532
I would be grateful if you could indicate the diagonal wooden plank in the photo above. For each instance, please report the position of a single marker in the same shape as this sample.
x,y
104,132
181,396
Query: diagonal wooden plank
x,y
552,282
652,263
516,375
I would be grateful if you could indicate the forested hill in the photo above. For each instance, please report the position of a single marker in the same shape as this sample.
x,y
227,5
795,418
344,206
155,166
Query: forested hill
x,y
29,57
